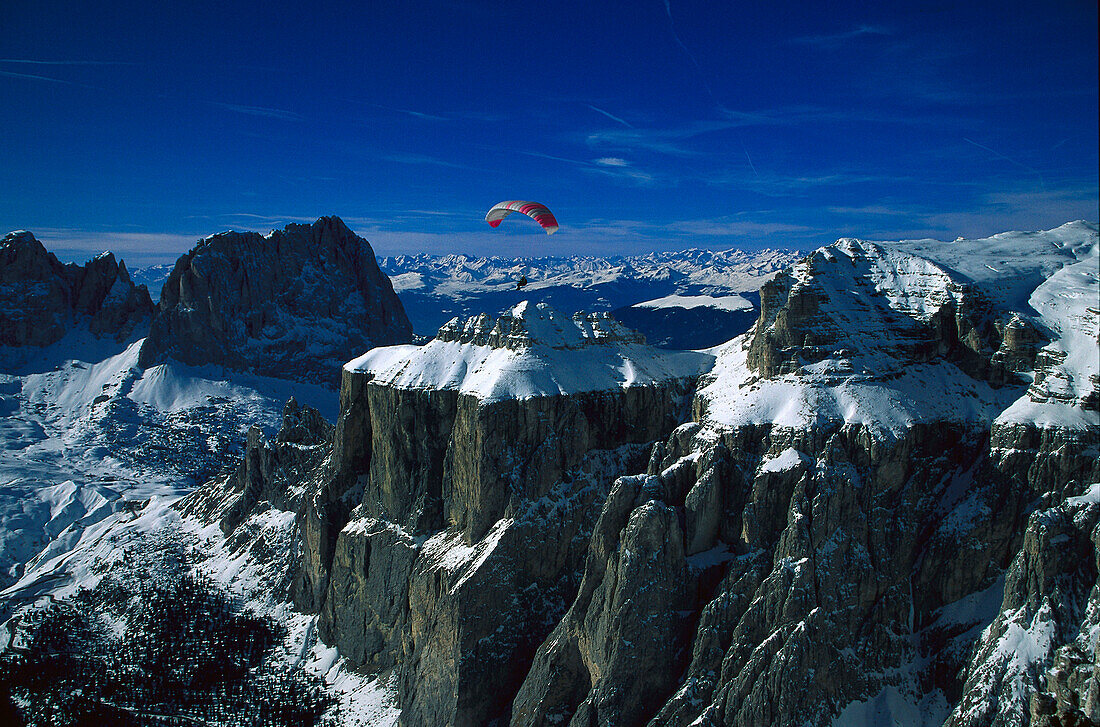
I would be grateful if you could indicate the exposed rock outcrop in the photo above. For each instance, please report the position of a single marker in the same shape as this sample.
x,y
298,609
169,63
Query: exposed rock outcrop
x,y
883,511
1037,662
272,477
42,299
858,481
296,303
476,466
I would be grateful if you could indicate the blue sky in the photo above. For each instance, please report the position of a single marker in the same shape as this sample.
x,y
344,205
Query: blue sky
x,y
644,125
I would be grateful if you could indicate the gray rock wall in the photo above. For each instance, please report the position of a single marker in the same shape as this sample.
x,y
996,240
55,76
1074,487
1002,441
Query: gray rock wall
x,y
469,529
41,299
1037,662
295,304
815,582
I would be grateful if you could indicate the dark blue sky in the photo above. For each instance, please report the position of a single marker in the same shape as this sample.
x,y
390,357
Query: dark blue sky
x,y
644,125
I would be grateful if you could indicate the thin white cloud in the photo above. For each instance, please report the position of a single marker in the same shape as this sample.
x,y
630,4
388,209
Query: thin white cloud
x,y
272,219
835,40
28,61
610,116
665,141
136,248
425,159
986,214
35,77
433,213
540,155
410,112
1006,158
609,166
726,227
260,111
688,53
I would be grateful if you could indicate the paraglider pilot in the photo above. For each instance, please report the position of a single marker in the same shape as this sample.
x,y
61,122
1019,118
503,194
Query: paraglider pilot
x,y
522,282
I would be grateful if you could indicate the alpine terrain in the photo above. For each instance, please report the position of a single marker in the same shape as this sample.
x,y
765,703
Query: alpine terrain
x,y
688,299
878,503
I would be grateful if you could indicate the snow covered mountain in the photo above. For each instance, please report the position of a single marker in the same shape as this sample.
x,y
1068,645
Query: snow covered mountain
x,y
87,432
689,299
676,299
876,506
854,491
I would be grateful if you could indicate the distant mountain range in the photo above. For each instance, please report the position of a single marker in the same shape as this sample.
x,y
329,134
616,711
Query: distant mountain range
x,y
645,292
876,503
436,288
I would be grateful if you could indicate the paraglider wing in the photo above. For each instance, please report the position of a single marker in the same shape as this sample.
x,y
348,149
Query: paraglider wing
x,y
538,212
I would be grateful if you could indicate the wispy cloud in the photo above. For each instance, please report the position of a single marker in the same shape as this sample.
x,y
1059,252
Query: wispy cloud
x,y
36,77
664,141
1009,159
441,116
981,215
259,111
428,160
688,53
674,140
785,185
409,112
28,61
610,116
541,155
266,219
432,213
732,227
137,248
614,167
835,40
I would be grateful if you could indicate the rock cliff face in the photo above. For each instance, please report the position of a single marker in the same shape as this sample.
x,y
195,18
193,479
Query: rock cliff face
x,y
266,488
41,299
296,303
826,542
882,508
465,481
1037,660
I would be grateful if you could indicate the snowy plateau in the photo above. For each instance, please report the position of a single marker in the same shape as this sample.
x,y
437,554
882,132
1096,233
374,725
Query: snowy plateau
x,y
852,487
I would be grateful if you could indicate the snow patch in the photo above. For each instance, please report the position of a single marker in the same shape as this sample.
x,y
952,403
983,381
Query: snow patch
x,y
788,459
553,355
725,302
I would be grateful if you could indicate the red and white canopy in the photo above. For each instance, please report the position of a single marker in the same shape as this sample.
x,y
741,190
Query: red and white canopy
x,y
538,212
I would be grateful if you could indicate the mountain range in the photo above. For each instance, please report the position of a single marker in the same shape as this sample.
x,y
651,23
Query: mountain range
x,y
877,502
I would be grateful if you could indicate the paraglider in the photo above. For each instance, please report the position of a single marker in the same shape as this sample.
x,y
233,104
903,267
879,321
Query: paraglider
x,y
538,212
522,282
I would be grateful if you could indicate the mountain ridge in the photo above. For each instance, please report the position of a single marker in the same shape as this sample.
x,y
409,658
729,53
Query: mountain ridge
x,y
853,513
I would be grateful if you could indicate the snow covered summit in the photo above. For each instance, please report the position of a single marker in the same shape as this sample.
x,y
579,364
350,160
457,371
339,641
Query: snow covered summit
x,y
530,350
889,334
527,325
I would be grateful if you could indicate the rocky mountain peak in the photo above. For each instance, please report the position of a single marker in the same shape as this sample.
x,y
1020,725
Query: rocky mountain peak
x,y
530,351
860,306
295,303
42,299
857,307
527,325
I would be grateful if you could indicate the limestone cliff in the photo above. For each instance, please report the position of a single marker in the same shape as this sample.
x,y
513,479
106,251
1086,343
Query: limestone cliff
x,y
465,481
296,303
825,544
881,508
255,503
42,299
